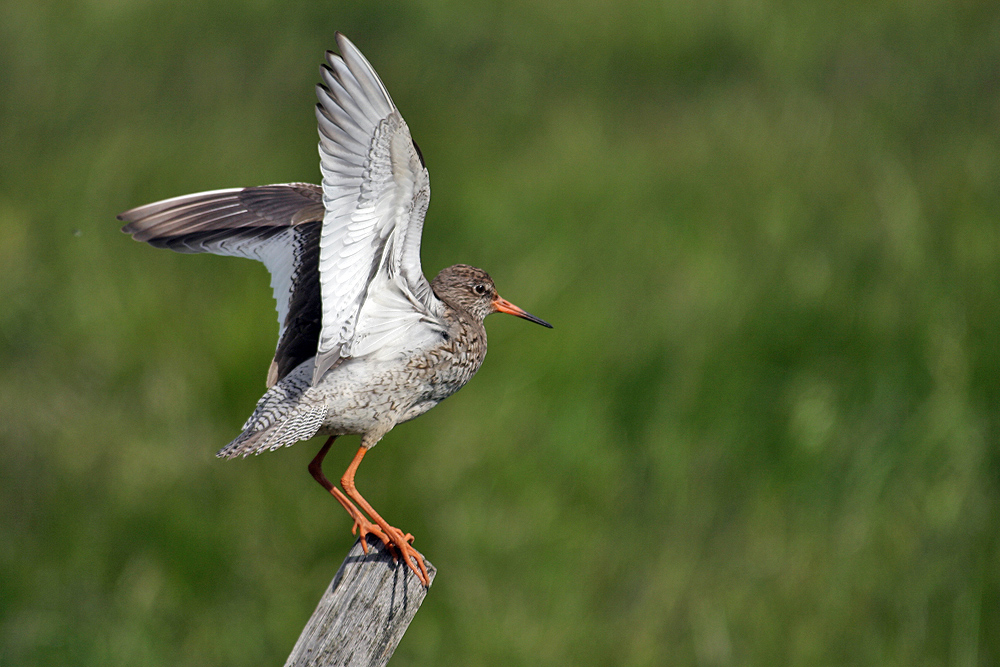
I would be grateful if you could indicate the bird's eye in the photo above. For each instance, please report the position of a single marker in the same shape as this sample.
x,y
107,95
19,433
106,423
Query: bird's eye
x,y
479,289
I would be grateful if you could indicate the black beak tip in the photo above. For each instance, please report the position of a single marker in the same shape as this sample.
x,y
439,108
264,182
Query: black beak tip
x,y
537,320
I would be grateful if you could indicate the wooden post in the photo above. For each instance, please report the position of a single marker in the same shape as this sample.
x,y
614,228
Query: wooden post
x,y
364,612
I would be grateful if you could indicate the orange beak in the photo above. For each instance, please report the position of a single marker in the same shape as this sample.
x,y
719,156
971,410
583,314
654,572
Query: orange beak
x,y
502,305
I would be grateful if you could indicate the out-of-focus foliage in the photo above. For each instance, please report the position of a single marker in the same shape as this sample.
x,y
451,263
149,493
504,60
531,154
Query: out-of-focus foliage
x,y
764,430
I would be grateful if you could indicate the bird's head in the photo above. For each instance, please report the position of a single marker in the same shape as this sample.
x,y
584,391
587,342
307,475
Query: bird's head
x,y
472,290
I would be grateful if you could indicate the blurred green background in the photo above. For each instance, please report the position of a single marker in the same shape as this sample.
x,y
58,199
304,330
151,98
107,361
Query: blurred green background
x,y
763,432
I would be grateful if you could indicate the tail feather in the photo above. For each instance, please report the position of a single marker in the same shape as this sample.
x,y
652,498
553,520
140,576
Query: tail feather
x,y
281,418
260,436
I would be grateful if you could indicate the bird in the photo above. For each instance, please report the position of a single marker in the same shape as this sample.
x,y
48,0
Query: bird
x,y
365,342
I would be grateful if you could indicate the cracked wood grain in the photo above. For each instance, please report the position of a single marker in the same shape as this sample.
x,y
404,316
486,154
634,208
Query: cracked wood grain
x,y
364,612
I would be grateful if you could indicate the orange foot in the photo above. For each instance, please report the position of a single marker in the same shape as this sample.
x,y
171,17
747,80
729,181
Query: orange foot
x,y
362,526
394,538
401,544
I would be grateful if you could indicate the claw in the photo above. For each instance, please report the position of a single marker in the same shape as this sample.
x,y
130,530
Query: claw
x,y
363,528
398,543
401,544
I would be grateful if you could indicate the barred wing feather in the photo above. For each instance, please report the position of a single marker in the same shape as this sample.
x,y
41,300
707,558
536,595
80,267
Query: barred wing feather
x,y
376,191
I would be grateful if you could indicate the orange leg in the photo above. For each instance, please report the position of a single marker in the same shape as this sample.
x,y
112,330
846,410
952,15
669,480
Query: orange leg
x,y
401,541
361,523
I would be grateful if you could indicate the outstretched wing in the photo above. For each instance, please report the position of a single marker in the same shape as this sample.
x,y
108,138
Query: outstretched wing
x,y
375,190
345,258
278,225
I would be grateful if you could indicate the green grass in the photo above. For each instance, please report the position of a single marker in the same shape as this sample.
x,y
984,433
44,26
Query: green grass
x,y
764,430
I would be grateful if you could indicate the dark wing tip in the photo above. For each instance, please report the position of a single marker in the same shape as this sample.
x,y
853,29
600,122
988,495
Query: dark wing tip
x,y
419,153
130,222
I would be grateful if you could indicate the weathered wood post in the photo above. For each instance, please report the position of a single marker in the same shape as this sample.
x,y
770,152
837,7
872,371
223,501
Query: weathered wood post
x,y
364,612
